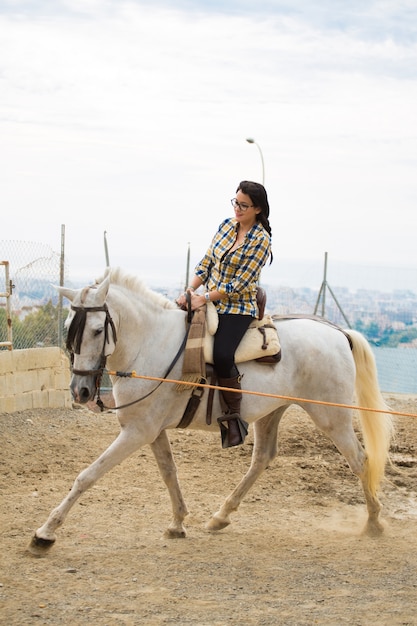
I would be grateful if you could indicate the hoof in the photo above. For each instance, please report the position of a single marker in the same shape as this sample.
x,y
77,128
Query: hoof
x,y
217,523
373,529
172,533
39,546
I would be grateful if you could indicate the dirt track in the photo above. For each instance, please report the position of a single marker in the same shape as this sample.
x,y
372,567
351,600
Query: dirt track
x,y
294,554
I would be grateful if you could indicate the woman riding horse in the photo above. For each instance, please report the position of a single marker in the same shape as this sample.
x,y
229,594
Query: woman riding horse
x,y
230,271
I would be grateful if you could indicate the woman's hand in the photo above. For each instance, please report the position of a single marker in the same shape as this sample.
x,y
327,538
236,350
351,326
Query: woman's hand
x,y
181,301
197,300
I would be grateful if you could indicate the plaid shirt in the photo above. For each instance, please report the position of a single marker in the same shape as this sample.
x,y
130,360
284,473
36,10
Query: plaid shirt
x,y
236,273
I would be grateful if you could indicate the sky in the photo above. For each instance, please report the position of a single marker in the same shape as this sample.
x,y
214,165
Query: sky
x,y
130,118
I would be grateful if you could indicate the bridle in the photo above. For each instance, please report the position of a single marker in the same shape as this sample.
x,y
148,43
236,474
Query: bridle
x,y
76,331
73,344
75,336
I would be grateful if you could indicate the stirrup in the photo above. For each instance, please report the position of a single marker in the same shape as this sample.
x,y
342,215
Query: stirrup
x,y
224,430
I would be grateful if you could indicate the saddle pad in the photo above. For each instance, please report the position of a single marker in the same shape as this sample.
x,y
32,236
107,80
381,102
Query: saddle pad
x,y
261,339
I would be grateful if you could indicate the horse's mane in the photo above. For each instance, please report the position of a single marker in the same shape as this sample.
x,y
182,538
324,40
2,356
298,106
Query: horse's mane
x,y
134,284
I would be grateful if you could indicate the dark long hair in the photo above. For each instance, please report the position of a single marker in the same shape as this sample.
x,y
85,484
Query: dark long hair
x,y
257,193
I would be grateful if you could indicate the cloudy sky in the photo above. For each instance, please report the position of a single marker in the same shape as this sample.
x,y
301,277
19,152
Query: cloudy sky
x,y
131,117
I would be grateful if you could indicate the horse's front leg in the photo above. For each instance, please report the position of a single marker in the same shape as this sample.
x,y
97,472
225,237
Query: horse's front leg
x,y
124,445
264,451
161,448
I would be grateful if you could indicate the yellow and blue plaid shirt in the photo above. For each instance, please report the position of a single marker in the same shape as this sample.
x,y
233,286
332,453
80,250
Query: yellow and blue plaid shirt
x,y
235,273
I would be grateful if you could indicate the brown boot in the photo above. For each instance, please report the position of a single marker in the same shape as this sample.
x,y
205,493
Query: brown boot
x,y
232,427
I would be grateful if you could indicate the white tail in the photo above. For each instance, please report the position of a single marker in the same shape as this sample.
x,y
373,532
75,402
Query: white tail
x,y
377,428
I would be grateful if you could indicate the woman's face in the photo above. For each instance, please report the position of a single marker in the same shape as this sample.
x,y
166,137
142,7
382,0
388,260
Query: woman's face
x,y
245,211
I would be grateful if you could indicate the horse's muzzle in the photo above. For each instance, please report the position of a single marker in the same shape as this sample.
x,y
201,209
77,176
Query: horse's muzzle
x,y
83,388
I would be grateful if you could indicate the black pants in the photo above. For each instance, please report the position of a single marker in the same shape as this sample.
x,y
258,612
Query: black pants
x,y
229,333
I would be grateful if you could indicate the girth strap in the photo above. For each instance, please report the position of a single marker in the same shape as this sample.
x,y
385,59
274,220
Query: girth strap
x,y
195,399
192,406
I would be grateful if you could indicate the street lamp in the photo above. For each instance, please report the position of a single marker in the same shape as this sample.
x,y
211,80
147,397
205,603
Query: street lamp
x,y
250,140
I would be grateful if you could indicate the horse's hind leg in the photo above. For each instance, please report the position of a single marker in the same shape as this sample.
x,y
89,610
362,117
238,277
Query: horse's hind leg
x,y
358,463
122,447
340,430
373,526
161,448
264,451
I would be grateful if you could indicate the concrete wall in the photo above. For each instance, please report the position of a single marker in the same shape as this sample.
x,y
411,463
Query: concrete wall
x,y
37,378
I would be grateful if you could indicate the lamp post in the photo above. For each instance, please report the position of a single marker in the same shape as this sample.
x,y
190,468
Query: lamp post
x,y
250,140
106,249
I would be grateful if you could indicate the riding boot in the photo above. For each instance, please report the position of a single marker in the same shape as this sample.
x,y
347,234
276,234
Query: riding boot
x,y
232,427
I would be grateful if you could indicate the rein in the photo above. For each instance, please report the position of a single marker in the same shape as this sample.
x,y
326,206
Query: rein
x,y
102,406
75,335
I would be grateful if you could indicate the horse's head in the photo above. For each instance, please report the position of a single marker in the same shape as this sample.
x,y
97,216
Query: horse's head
x,y
91,337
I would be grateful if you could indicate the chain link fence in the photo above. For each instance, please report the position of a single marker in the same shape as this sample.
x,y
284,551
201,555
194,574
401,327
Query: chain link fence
x,y
34,313
35,317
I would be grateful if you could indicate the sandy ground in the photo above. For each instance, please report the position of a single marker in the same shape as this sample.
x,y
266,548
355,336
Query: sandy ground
x,y
294,554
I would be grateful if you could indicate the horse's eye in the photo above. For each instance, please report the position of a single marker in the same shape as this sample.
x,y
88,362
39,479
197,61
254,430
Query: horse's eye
x,y
98,331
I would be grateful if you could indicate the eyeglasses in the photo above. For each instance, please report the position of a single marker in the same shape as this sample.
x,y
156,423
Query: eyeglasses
x,y
238,205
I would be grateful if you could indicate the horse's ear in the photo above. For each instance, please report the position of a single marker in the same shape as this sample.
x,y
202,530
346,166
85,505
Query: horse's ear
x,y
103,288
65,292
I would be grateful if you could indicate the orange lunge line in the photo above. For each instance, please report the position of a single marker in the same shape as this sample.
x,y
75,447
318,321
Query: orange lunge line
x,y
133,374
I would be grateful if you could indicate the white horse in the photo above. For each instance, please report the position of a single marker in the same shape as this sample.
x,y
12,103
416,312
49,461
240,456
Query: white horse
x,y
139,330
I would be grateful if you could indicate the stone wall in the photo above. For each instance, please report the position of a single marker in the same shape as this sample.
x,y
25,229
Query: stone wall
x,y
37,378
